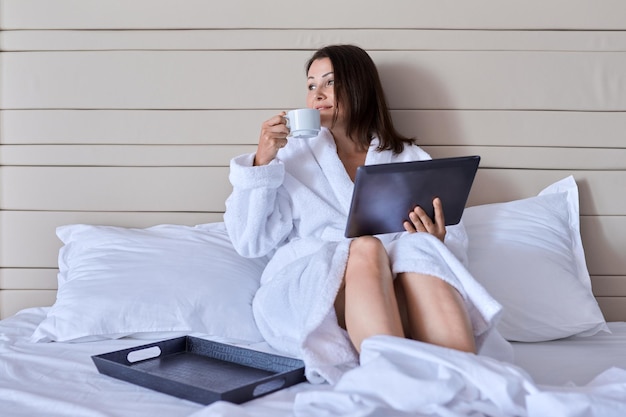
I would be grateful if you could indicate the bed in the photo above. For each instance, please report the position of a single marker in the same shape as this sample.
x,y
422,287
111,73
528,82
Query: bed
x,y
114,147
123,287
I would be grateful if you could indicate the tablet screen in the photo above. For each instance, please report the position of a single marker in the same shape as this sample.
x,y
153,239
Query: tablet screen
x,y
384,194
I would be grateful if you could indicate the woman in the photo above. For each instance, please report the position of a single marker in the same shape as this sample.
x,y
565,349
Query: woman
x,y
290,200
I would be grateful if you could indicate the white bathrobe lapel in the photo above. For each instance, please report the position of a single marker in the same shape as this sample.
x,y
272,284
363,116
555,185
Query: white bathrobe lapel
x,y
325,152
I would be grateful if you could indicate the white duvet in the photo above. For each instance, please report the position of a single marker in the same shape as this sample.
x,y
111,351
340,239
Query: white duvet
x,y
401,377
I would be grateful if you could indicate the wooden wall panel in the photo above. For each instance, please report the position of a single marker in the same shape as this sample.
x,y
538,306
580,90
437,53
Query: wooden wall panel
x,y
294,39
198,14
612,307
29,278
177,127
11,301
601,192
609,286
189,189
522,157
185,189
484,80
122,155
193,127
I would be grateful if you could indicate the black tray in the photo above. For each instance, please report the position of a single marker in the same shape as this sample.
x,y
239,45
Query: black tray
x,y
201,370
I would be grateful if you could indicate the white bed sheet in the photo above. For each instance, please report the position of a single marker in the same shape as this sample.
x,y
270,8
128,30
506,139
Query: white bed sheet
x,y
574,359
59,379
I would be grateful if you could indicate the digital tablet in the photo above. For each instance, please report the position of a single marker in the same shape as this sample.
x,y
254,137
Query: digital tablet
x,y
384,194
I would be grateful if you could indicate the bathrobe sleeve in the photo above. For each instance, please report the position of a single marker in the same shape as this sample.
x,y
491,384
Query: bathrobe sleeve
x,y
258,212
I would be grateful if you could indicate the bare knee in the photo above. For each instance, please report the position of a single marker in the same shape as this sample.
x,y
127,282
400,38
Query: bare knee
x,y
367,257
367,249
366,244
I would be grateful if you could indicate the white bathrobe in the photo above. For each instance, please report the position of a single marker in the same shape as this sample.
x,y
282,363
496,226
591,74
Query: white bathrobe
x,y
295,209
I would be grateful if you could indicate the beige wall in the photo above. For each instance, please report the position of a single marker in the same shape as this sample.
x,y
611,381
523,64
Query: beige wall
x,y
127,112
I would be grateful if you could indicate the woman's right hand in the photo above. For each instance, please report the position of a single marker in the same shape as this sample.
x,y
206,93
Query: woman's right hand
x,y
274,132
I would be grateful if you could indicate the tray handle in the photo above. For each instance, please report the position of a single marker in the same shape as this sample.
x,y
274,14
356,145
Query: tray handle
x,y
143,354
269,386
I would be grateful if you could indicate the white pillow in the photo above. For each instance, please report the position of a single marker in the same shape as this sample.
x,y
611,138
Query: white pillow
x,y
528,254
116,282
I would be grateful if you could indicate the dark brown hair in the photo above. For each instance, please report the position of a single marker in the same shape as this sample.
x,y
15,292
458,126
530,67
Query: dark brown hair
x,y
359,92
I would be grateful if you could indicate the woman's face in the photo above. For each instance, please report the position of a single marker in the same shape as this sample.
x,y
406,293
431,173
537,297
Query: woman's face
x,y
321,90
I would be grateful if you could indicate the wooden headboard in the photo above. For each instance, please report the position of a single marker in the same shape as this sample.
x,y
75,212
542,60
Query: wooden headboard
x,y
127,112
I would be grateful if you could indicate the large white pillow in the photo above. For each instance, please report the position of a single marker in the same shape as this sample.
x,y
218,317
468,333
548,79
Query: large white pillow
x,y
529,255
116,282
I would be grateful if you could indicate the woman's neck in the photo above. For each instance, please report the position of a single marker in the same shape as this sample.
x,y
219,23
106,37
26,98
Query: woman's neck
x,y
351,154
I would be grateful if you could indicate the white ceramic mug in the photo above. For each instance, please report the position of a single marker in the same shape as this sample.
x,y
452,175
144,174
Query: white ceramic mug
x,y
303,123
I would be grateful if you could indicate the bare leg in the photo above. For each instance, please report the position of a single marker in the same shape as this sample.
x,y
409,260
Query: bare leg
x,y
370,306
436,312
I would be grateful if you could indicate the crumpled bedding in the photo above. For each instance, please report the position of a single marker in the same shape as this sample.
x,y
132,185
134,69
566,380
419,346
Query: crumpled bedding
x,y
401,377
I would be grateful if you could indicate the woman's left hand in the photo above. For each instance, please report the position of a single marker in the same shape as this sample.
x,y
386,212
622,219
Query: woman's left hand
x,y
420,222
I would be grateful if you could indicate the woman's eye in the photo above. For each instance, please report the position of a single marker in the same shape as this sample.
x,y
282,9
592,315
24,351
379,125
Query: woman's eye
x,y
331,82
311,87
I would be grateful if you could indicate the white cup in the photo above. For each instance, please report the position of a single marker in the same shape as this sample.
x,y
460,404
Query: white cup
x,y
303,123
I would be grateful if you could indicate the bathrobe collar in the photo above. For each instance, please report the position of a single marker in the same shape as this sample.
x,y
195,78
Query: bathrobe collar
x,y
324,150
